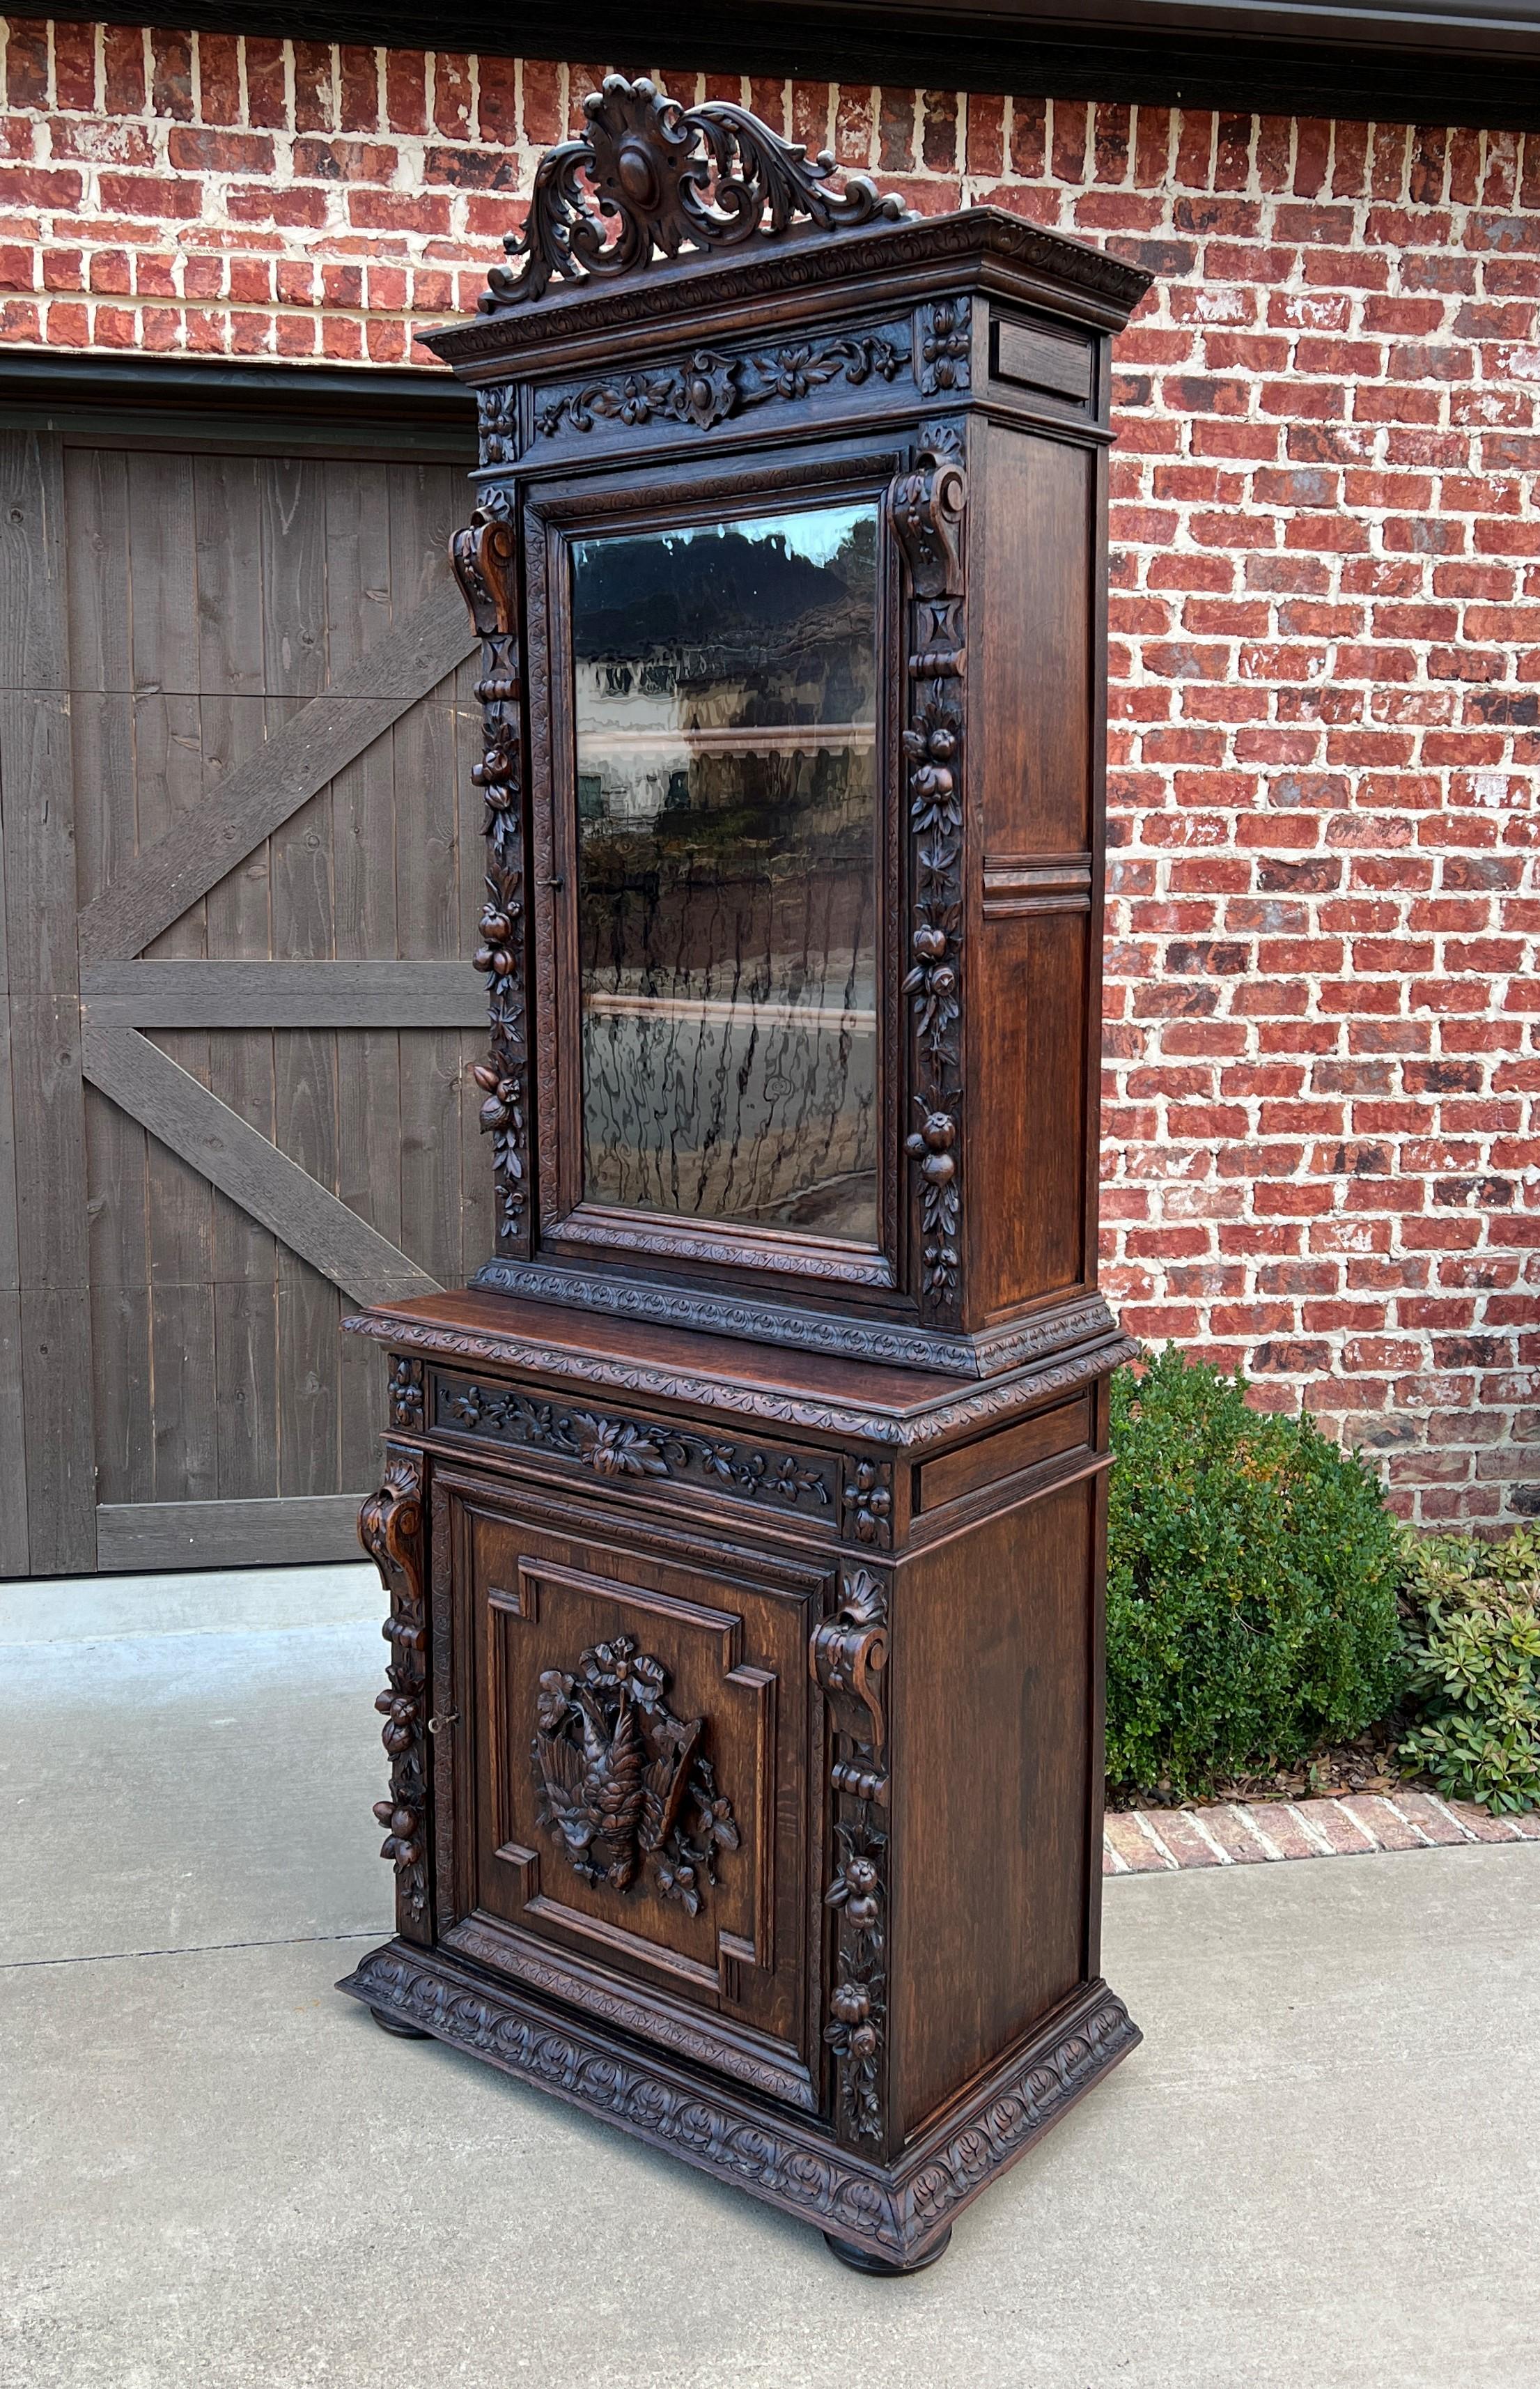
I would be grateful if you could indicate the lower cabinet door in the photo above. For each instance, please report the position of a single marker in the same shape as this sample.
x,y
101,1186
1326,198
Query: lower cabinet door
x,y
629,1794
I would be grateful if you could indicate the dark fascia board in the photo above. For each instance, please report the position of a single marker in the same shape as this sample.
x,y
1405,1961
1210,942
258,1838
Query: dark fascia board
x,y
185,385
1474,62
159,401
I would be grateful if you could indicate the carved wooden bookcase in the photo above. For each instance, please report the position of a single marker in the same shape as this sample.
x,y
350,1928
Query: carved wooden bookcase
x,y
742,1521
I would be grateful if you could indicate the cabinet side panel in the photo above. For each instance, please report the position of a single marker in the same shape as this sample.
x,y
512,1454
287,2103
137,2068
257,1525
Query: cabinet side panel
x,y
1032,981
993,1647
1033,646
1028,1188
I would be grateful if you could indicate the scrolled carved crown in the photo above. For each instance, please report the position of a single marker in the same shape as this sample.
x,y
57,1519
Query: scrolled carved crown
x,y
647,177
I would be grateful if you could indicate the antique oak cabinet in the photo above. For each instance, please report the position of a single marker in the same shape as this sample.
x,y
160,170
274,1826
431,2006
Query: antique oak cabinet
x,y
742,1523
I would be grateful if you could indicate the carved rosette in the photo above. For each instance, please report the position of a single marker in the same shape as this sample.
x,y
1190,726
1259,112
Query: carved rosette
x,y
942,346
390,1528
406,1394
486,567
869,1502
849,1659
927,507
657,178
497,421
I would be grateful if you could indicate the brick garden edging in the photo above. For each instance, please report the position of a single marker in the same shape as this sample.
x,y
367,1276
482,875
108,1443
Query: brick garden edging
x,y
1234,1832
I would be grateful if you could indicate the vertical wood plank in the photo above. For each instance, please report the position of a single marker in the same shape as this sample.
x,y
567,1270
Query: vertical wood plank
x,y
169,780
228,505
37,829
295,616
428,915
124,1391
117,1155
359,611
13,1440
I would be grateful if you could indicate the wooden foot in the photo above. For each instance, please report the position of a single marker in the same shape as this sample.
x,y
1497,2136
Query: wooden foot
x,y
860,2262
393,2025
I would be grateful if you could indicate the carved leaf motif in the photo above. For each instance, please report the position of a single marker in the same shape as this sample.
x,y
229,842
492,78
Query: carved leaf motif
x,y
927,508
484,556
390,1530
661,178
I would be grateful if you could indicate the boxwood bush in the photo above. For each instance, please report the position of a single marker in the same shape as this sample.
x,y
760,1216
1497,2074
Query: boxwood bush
x,y
1253,1571
1471,1612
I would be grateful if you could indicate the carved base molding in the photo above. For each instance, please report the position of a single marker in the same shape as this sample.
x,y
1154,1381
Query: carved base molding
x,y
896,2215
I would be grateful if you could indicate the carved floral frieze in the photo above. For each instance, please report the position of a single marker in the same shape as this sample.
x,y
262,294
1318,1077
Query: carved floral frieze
x,y
622,1449
708,386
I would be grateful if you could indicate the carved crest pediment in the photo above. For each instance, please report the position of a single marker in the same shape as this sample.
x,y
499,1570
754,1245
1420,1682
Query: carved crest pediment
x,y
647,177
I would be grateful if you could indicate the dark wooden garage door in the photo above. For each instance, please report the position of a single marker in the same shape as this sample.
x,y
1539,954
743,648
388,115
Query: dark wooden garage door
x,y
242,870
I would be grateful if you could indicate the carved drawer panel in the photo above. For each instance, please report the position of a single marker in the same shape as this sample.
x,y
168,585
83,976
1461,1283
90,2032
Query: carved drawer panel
x,y
844,1494
632,1792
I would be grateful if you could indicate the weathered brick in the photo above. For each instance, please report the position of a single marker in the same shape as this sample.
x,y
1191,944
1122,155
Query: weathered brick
x,y
1134,1846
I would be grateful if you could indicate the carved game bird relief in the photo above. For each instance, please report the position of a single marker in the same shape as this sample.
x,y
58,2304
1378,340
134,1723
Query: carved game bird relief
x,y
621,1780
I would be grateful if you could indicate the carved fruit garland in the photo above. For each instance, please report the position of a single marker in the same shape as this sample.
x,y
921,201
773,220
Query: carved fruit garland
x,y
660,177
390,1528
621,1780
484,565
927,512
848,1657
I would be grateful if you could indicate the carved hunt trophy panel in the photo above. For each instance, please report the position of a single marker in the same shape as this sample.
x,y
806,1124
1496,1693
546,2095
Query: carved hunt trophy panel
x,y
778,1411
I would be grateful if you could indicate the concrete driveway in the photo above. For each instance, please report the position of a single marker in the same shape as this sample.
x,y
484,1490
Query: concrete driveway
x,y
1321,2171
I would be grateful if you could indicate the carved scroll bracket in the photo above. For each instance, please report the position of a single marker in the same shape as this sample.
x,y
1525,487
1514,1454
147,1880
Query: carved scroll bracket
x,y
486,564
390,1528
848,1655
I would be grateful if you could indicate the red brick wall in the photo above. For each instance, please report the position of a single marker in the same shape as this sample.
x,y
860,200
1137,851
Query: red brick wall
x,y
1322,1054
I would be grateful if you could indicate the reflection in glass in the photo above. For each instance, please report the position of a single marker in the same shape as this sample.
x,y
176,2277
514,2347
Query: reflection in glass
x,y
727,882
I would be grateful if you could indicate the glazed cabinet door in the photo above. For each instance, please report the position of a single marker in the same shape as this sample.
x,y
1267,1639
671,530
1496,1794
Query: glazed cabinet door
x,y
627,1787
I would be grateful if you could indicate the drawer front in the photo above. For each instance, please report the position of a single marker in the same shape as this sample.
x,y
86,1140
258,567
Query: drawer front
x,y
632,1792
631,1452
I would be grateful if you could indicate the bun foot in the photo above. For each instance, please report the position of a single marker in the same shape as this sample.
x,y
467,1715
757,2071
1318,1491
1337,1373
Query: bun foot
x,y
860,2262
393,2025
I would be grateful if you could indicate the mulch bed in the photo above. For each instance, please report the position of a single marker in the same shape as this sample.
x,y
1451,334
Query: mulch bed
x,y
1368,1765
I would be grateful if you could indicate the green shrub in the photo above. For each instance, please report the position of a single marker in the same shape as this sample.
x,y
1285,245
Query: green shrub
x,y
1252,1584
1472,1613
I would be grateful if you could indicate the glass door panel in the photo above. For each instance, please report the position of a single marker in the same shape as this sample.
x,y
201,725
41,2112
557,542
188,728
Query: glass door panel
x,y
726,759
